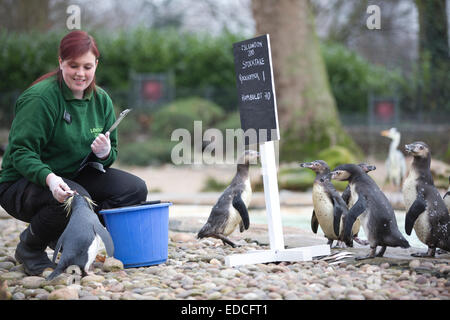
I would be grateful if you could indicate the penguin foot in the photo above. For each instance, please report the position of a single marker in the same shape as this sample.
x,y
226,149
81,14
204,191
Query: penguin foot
x,y
340,245
361,241
429,254
249,240
371,255
421,255
441,251
225,240
381,252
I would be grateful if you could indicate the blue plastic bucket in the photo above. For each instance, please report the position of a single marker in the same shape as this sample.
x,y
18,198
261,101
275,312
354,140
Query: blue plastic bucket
x,y
140,233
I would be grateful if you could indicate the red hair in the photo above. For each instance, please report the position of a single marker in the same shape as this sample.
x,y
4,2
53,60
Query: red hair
x,y
73,45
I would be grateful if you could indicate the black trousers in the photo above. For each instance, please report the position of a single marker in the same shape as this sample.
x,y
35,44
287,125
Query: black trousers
x,y
35,204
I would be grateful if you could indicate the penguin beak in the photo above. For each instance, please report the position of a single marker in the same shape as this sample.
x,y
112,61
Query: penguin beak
x,y
385,133
409,148
339,175
306,164
333,175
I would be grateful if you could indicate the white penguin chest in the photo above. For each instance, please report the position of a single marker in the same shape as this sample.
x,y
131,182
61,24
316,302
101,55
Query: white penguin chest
x,y
234,216
92,252
360,220
409,189
447,200
422,224
422,227
324,210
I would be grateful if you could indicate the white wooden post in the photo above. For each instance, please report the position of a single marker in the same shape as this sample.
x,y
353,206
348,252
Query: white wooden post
x,y
271,195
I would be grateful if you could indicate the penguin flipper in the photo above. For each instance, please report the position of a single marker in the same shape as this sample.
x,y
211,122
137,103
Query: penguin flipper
x,y
55,273
239,205
337,213
447,194
413,213
346,194
106,238
314,222
358,208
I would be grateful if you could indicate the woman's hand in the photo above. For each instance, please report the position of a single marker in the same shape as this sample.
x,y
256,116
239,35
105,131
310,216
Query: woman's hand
x,y
101,146
58,187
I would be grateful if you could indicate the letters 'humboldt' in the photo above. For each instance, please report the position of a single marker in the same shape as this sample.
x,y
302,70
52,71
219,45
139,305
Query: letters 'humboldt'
x,y
256,90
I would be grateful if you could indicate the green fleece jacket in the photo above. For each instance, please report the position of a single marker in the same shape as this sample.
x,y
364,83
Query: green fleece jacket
x,y
42,141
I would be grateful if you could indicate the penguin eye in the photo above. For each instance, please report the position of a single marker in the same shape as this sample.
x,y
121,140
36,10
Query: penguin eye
x,y
421,147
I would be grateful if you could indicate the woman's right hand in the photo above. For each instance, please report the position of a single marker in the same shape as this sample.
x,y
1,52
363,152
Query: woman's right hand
x,y
58,187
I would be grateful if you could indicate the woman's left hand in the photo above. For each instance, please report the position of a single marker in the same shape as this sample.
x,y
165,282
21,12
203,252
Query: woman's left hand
x,y
101,146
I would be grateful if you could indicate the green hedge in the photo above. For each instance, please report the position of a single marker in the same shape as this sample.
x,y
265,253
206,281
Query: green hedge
x,y
182,114
352,78
199,63
197,60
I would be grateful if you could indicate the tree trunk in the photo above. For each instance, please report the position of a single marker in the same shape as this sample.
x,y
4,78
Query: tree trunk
x,y
307,110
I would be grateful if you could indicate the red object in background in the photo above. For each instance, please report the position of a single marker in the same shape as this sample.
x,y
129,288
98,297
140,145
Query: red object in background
x,y
152,90
384,110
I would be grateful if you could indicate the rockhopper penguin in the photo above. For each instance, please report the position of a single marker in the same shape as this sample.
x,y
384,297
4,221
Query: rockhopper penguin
x,y
328,204
81,237
369,203
426,211
231,208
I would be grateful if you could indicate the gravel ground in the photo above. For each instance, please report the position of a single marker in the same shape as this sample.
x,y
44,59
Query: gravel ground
x,y
195,269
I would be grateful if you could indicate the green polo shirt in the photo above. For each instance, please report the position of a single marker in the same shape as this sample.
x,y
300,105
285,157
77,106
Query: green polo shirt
x,y
42,141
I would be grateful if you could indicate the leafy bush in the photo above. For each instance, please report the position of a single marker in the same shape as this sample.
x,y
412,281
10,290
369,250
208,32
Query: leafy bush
x,y
353,78
197,61
144,153
335,156
182,114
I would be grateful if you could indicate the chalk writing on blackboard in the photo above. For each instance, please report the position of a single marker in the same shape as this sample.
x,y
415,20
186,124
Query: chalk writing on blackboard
x,y
255,86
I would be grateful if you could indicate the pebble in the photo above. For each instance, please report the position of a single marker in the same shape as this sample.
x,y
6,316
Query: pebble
x,y
196,270
414,264
68,293
32,282
111,265
421,280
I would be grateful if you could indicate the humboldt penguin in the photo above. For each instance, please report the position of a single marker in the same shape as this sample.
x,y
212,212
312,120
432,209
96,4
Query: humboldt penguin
x,y
367,168
328,204
447,196
346,197
426,211
81,237
369,203
231,207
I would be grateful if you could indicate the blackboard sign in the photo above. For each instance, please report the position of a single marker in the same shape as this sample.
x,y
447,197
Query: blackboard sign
x,y
255,86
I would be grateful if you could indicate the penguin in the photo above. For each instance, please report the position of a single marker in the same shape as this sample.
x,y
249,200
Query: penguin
x,y
426,211
81,237
230,209
447,196
346,197
372,207
367,168
328,204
